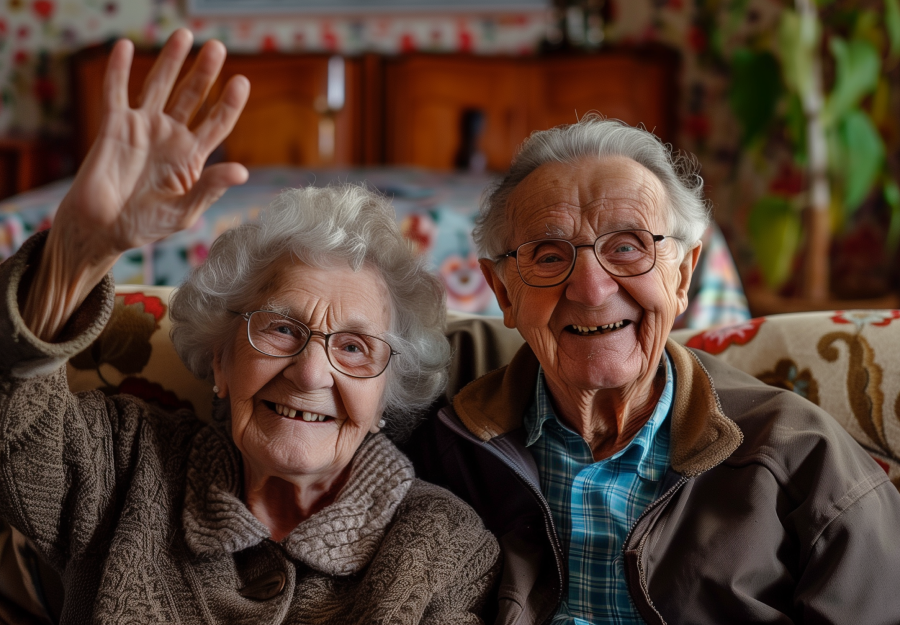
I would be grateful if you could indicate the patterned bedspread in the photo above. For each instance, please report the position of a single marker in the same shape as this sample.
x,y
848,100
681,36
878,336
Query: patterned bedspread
x,y
435,210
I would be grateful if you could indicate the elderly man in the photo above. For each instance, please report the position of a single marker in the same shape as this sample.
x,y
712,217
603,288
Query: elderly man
x,y
630,479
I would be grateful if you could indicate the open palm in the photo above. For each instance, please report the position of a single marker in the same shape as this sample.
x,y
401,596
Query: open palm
x,y
143,178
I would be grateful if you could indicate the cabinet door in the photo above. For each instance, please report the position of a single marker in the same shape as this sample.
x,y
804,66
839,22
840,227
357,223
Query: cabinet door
x,y
425,99
637,88
281,123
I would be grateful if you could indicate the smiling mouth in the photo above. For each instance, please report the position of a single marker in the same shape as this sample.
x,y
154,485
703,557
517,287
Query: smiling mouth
x,y
597,330
300,415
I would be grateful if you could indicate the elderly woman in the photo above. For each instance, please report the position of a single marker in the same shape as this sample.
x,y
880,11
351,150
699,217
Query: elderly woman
x,y
321,331
630,479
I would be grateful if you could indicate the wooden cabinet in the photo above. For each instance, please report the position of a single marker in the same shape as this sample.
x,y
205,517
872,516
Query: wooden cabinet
x,y
408,109
427,95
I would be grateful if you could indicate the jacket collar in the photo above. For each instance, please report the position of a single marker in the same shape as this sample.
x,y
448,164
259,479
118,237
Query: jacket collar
x,y
702,436
340,539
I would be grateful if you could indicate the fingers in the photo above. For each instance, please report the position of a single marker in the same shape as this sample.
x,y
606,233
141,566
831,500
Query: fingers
x,y
224,114
213,182
115,82
192,90
165,70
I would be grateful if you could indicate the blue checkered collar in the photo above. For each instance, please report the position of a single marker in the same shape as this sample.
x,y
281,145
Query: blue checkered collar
x,y
648,451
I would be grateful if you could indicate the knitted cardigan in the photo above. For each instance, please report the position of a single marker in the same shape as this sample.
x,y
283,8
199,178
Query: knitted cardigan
x,y
140,510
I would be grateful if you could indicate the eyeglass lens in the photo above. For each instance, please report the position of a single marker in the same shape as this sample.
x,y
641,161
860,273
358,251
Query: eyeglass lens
x,y
623,253
357,355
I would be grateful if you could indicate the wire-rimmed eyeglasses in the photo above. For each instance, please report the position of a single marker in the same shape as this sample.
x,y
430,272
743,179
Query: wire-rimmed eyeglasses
x,y
353,354
622,253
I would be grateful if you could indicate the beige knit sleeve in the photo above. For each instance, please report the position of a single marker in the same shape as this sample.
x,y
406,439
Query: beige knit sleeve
x,y
56,458
468,565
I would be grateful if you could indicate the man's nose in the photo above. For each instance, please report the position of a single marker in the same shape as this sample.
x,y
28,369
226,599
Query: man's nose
x,y
589,284
310,369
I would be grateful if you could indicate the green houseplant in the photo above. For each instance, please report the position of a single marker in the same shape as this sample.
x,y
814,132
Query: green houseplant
x,y
819,85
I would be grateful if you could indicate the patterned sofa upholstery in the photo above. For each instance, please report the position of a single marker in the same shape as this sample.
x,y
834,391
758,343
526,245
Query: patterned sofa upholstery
x,y
848,362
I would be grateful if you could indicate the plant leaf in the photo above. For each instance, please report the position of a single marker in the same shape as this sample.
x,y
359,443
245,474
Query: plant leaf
x,y
858,67
868,28
892,25
798,41
774,227
863,156
754,92
892,196
795,122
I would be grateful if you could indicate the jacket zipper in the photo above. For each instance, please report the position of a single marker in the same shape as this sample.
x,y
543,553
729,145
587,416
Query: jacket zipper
x,y
542,502
661,500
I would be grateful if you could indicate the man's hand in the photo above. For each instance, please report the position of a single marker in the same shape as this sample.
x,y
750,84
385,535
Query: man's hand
x,y
143,178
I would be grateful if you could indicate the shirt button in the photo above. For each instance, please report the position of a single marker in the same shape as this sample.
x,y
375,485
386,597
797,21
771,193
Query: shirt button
x,y
265,586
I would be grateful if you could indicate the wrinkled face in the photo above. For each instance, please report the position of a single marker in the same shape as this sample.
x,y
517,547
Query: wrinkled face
x,y
261,388
580,202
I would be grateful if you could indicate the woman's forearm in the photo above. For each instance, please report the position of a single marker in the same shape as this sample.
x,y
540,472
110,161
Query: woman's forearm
x,y
62,281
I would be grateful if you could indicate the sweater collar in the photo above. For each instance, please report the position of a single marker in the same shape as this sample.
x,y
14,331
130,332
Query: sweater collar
x,y
702,435
340,539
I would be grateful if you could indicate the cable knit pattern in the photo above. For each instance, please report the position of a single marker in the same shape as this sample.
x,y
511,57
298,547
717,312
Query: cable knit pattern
x,y
141,509
342,539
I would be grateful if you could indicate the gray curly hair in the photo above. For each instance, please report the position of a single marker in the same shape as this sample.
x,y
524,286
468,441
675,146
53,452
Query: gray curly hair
x,y
317,226
594,136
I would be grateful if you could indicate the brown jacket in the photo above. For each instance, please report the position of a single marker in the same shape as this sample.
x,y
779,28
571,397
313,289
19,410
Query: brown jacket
x,y
140,509
771,513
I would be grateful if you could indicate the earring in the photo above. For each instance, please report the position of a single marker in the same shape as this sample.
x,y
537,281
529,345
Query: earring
x,y
216,390
381,424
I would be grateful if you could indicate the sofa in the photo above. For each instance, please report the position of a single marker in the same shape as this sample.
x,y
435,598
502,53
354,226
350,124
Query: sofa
x,y
847,362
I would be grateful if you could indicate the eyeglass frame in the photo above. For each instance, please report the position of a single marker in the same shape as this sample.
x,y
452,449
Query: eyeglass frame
x,y
514,254
246,316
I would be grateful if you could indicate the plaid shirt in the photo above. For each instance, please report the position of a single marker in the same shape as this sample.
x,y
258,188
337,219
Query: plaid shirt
x,y
595,504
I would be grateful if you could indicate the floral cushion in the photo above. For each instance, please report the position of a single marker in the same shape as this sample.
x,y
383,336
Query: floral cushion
x,y
134,355
847,362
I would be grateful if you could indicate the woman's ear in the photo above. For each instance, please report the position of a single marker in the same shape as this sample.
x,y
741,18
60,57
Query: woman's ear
x,y
219,377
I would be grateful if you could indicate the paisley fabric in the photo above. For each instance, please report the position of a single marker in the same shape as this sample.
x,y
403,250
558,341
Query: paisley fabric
x,y
847,362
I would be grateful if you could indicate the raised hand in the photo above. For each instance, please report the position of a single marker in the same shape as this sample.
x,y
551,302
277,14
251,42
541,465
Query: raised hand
x,y
143,178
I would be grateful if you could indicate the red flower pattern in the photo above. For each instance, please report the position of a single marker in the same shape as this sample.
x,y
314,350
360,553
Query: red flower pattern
x,y
718,340
880,318
43,8
152,305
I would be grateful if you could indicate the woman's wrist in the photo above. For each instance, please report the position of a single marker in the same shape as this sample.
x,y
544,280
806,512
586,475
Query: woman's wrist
x,y
61,281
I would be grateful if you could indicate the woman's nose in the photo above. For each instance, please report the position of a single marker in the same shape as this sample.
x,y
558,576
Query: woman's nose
x,y
310,369
589,284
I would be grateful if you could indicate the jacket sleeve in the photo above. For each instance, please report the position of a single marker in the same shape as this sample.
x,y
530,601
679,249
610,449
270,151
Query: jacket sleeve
x,y
854,567
57,463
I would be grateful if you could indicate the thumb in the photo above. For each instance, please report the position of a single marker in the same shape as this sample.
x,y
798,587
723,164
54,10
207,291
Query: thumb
x,y
212,184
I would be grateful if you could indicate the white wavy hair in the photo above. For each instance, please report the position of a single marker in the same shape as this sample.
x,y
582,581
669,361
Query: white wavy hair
x,y
594,136
319,226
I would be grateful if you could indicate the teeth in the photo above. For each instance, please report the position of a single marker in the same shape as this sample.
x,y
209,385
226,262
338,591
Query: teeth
x,y
609,326
284,411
